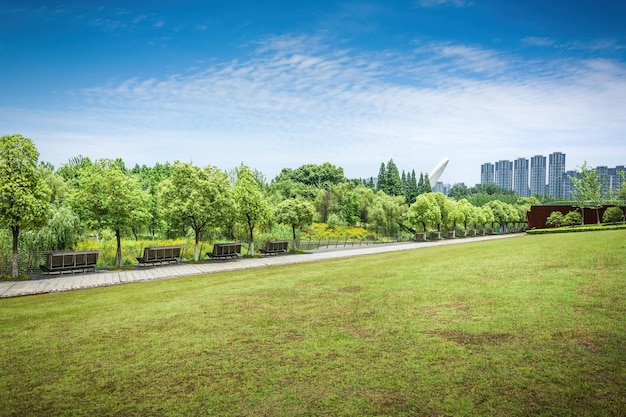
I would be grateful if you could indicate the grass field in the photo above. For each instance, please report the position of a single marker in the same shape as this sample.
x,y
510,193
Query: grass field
x,y
534,325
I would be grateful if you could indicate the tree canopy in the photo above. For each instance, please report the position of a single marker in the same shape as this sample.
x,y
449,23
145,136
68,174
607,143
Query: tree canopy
x,y
24,195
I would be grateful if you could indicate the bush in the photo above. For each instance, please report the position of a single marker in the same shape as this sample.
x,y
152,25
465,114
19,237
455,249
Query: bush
x,y
555,219
613,215
572,218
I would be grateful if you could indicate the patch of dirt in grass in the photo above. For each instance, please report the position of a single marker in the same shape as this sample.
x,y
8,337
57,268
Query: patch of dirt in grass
x,y
474,339
351,288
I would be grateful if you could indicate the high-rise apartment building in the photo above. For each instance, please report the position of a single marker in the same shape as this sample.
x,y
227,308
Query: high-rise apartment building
x,y
504,174
556,171
520,177
487,173
568,186
538,175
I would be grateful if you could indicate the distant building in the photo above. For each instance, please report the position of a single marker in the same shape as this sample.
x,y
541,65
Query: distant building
x,y
520,177
556,169
504,174
538,175
440,187
487,173
568,187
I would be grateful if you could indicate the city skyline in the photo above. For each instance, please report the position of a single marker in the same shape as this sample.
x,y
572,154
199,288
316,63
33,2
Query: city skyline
x,y
281,84
551,179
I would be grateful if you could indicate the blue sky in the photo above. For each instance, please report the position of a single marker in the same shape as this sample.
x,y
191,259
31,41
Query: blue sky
x,y
284,83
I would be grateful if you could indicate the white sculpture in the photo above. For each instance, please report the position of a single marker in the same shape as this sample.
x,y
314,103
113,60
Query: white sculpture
x,y
433,177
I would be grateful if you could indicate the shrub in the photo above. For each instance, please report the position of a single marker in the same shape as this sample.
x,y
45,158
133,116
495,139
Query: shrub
x,y
555,219
572,218
613,215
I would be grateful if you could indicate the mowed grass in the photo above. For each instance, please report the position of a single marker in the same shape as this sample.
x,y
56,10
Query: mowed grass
x,y
534,325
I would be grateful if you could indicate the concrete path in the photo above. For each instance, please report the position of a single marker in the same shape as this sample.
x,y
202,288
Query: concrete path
x,y
102,278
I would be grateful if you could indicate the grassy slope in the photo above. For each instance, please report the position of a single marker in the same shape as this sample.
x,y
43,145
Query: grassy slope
x,y
526,326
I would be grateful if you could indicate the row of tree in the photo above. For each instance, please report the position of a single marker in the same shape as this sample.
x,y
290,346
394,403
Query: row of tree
x,y
168,200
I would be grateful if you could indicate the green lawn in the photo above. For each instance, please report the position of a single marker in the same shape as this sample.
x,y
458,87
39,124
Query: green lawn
x,y
534,325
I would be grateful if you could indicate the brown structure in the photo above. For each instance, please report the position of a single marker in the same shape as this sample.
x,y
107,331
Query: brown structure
x,y
538,215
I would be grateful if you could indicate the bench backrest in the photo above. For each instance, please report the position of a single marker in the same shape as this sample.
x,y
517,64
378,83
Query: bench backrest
x,y
221,249
156,253
276,245
60,260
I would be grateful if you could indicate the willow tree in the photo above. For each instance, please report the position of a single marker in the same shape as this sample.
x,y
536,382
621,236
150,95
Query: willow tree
x,y
196,198
24,194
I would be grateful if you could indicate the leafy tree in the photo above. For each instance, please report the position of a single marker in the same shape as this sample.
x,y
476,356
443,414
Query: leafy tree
x,y
425,212
24,194
386,212
458,191
196,198
612,215
587,190
108,198
251,207
71,170
446,209
62,230
466,213
345,203
296,213
319,176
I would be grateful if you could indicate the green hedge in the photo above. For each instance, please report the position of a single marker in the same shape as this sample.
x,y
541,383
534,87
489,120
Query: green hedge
x,y
593,228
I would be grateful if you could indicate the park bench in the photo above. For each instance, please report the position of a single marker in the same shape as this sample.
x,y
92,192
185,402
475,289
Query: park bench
x,y
70,261
160,254
225,250
274,247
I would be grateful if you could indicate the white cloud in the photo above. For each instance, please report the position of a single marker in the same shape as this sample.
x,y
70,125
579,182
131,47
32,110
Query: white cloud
x,y
294,101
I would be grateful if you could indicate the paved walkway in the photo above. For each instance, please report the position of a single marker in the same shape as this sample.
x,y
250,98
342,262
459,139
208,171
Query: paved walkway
x,y
101,278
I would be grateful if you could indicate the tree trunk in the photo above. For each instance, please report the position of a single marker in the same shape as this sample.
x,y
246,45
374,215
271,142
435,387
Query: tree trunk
x,y
196,255
118,238
16,234
251,239
598,214
295,244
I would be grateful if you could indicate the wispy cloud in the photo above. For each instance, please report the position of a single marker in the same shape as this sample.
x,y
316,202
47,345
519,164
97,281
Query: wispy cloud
x,y
295,100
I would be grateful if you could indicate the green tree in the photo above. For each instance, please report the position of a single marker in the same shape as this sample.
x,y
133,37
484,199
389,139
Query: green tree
x,y
381,181
459,191
296,213
425,212
387,212
587,190
466,213
423,185
446,209
393,182
24,194
319,176
196,198
251,207
108,198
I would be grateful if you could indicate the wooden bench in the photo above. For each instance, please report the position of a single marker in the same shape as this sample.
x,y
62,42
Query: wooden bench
x,y
274,247
69,261
225,250
161,255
